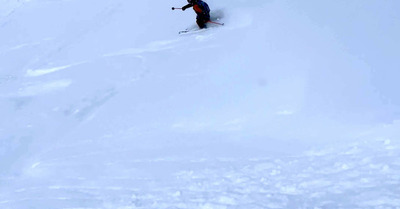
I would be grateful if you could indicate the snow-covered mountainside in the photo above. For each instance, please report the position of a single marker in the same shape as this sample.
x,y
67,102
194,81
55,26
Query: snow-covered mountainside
x,y
288,105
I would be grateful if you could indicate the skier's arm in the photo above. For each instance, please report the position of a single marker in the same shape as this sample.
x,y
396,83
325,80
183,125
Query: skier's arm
x,y
187,6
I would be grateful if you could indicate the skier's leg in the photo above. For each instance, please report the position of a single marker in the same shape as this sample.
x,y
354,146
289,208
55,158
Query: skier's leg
x,y
201,23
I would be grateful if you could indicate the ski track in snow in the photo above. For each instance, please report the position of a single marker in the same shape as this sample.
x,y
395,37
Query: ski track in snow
x,y
40,72
43,88
350,177
163,45
26,45
151,47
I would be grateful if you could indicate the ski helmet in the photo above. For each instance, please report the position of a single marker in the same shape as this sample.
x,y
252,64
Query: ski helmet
x,y
191,1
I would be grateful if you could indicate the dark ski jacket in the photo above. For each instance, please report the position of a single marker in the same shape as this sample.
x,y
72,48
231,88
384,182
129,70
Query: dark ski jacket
x,y
201,8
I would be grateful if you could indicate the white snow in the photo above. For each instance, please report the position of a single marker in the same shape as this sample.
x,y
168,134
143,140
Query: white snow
x,y
103,105
40,72
41,88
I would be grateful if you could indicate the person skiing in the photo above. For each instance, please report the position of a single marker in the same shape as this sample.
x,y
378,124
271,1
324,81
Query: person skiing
x,y
202,10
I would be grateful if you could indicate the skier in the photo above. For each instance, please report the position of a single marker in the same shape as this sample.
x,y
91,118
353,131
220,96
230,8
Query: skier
x,y
202,10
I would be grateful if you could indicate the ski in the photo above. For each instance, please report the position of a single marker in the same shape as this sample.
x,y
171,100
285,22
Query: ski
x,y
183,31
198,30
187,31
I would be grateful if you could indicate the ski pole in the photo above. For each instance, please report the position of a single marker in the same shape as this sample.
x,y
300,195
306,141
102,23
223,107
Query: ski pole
x,y
216,22
173,8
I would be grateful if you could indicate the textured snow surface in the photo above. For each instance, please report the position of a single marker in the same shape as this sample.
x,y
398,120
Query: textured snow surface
x,y
289,105
361,175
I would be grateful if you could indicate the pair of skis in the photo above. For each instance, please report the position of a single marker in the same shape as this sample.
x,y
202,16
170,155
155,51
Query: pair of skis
x,y
197,30
200,30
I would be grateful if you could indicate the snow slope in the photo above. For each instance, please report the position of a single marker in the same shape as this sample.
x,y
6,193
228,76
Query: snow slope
x,y
289,105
